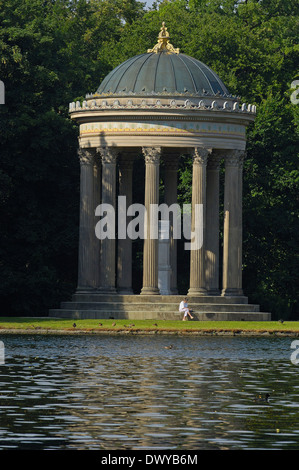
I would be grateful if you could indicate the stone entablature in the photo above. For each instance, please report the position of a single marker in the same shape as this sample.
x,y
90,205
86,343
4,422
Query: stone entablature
x,y
171,128
178,121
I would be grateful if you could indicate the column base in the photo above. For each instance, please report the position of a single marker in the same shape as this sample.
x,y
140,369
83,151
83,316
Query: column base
x,y
213,292
150,291
197,291
125,291
232,292
106,290
84,290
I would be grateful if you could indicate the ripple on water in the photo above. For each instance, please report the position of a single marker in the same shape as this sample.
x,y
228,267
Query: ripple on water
x,y
131,393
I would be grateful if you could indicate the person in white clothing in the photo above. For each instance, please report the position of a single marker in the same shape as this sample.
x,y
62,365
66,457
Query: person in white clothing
x,y
184,308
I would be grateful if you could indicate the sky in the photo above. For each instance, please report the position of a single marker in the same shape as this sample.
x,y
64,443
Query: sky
x,y
148,2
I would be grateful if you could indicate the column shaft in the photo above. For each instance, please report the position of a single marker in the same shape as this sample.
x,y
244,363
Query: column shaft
x,y
232,236
108,197
150,249
97,189
86,260
124,253
212,225
197,256
170,197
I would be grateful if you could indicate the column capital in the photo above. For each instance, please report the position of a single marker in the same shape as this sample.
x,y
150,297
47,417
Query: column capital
x,y
214,161
152,154
242,158
235,158
108,154
86,156
200,155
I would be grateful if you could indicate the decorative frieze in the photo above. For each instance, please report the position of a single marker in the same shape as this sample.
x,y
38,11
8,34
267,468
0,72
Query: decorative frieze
x,y
108,154
165,126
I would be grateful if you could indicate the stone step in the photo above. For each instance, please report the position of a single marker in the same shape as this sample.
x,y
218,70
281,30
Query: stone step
x,y
159,307
176,299
156,315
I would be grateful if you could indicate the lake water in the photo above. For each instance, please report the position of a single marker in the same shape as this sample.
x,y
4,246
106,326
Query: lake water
x,y
129,392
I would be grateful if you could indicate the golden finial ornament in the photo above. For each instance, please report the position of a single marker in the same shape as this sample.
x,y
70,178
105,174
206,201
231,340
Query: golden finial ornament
x,y
163,44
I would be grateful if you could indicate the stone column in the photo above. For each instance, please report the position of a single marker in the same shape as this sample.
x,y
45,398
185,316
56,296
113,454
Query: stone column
x,y
86,260
124,253
150,249
197,256
170,197
109,156
212,225
97,190
232,234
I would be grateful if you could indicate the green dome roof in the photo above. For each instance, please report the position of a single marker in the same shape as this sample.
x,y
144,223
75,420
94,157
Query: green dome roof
x,y
162,72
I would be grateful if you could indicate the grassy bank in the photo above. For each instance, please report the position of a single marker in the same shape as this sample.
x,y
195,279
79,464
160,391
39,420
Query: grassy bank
x,y
52,325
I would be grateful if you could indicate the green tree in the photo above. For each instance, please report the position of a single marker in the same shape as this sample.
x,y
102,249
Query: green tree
x,y
48,58
271,224
253,47
55,51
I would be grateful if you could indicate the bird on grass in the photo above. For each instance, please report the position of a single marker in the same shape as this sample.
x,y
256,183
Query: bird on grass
x,y
74,325
280,321
155,324
113,324
100,324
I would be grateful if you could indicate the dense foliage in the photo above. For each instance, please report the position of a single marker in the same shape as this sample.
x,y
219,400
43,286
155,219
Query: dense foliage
x,y
55,51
